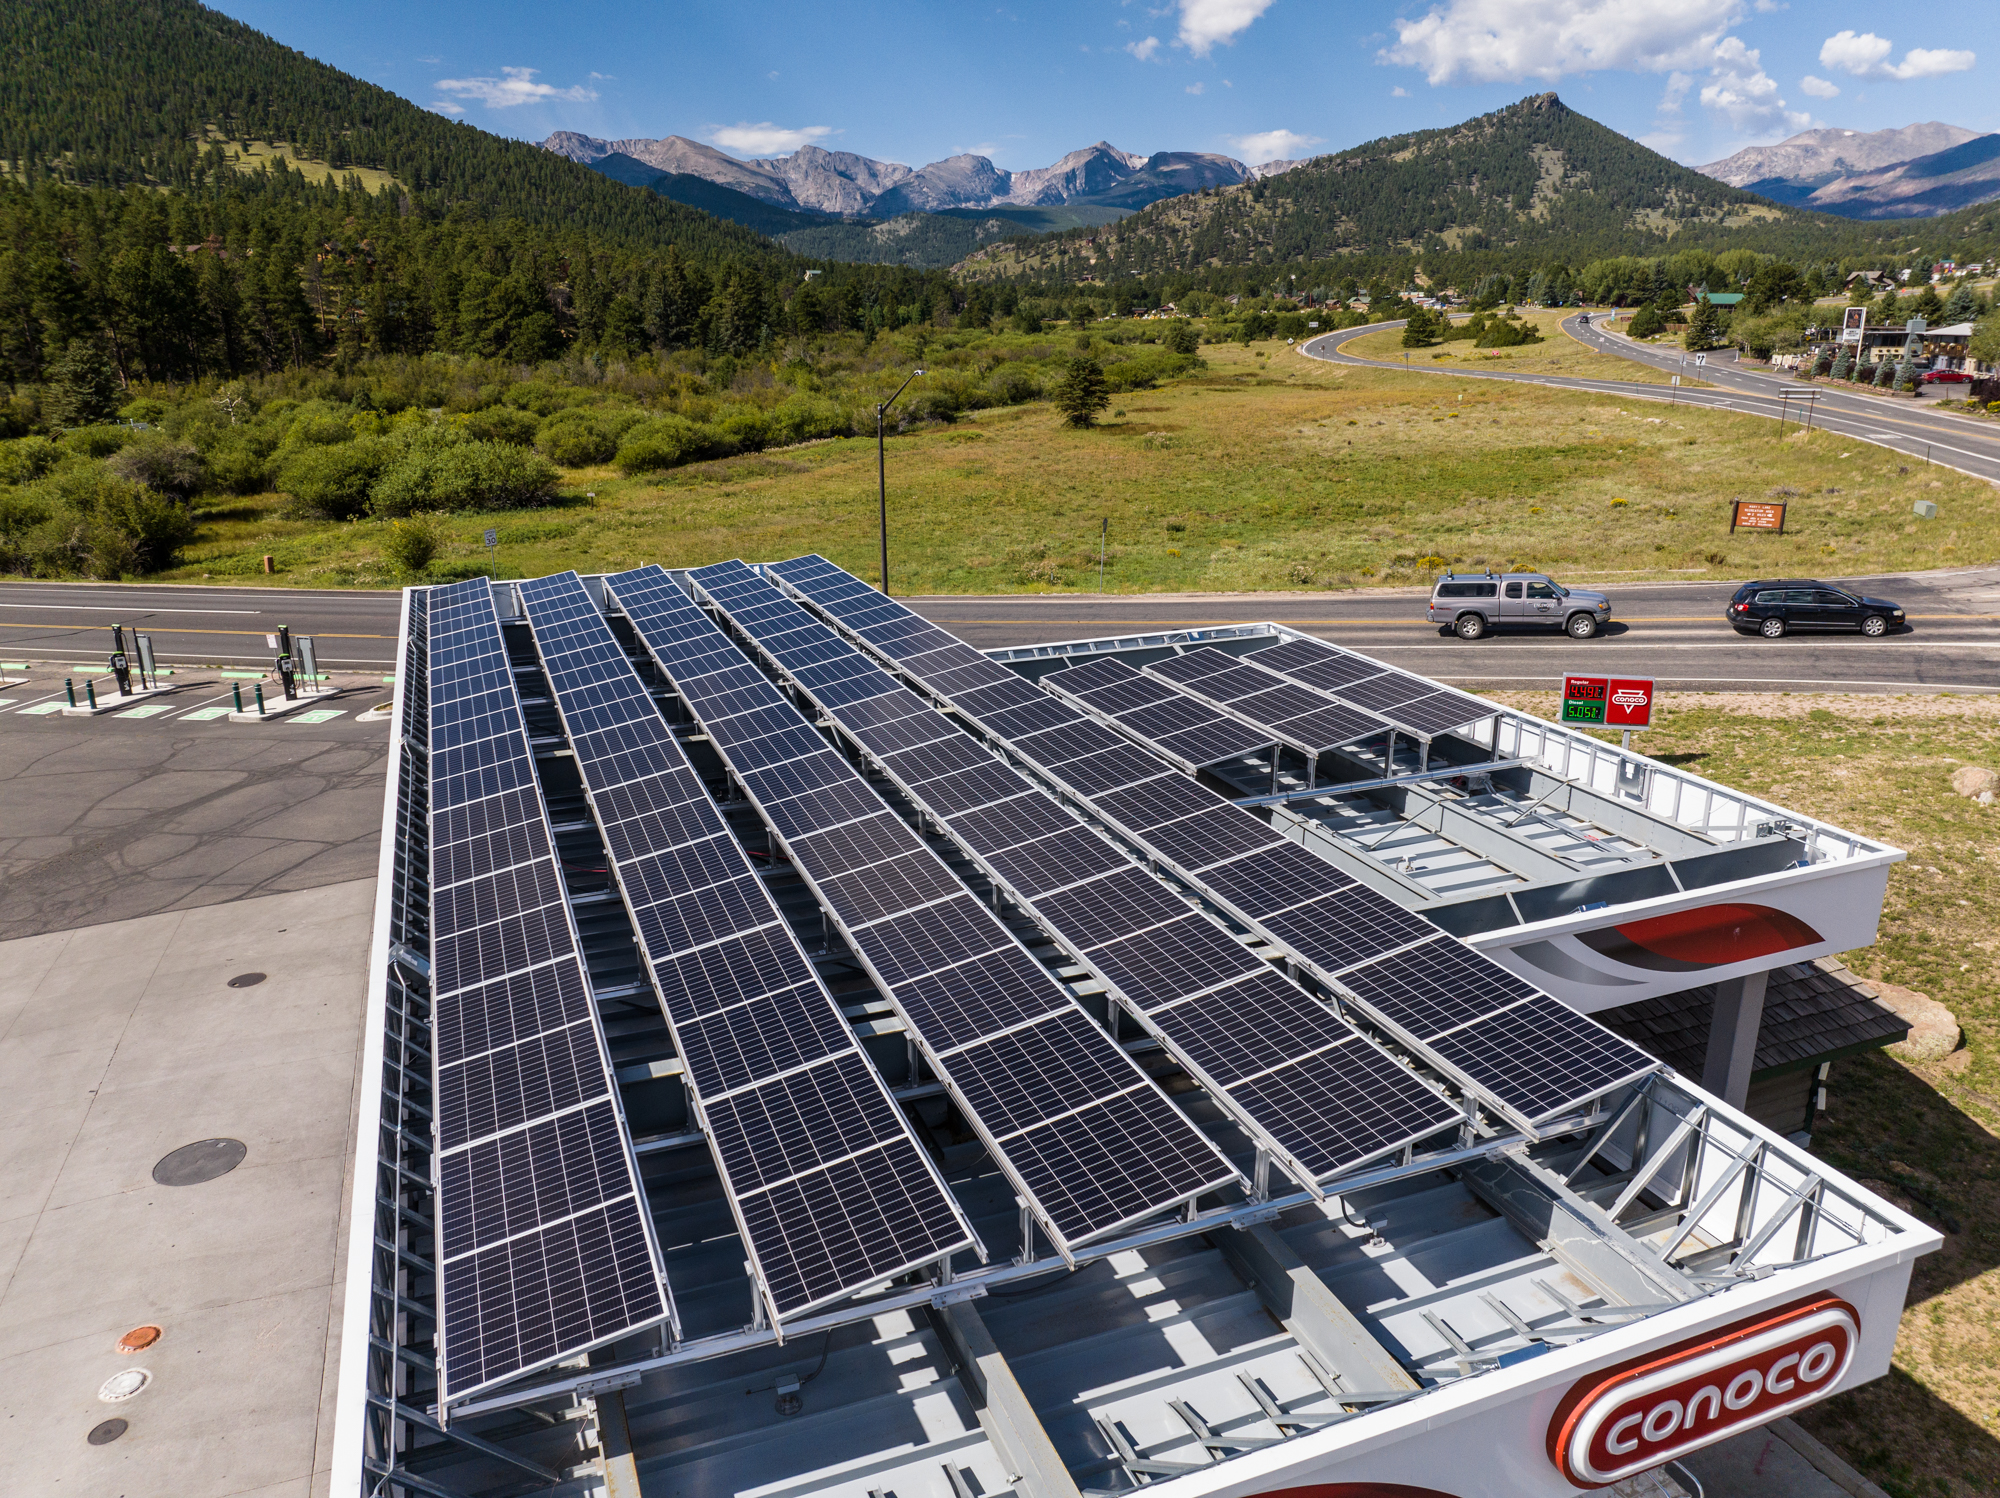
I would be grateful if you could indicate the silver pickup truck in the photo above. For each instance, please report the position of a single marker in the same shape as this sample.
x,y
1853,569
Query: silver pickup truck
x,y
1473,604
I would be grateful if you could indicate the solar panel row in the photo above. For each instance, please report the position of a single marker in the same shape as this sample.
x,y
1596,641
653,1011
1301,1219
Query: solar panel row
x,y
1187,731
1306,1086
1304,720
795,1114
544,1247
1086,1137
1526,1057
1409,702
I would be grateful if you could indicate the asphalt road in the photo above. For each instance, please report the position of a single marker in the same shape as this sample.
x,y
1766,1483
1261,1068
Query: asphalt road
x,y
1924,433
1671,631
70,623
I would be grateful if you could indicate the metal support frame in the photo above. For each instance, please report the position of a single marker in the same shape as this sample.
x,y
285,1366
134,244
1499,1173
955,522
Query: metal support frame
x,y
1361,787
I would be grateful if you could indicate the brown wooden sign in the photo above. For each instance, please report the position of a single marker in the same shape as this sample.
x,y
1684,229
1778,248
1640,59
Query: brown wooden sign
x,y
1756,515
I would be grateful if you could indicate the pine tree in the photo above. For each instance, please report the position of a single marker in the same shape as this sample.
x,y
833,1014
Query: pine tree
x,y
1705,330
82,388
1083,392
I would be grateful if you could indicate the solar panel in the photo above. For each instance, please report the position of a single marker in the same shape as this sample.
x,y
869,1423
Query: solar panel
x,y
954,971
1193,733
777,1073
544,1246
1243,690
1158,956
1409,702
1494,1058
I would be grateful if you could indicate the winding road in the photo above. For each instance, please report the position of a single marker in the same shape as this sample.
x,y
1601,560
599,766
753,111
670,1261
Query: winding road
x,y
1962,442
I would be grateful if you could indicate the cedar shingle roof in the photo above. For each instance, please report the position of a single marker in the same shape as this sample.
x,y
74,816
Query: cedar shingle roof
x,y
1811,1010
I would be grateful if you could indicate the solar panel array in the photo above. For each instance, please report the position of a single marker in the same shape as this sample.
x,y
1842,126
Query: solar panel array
x,y
1410,702
1304,1083
1303,719
544,1243
1184,729
830,1190
1086,1137
1526,1055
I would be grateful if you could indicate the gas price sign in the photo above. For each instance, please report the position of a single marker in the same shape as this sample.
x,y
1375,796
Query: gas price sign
x,y
1608,701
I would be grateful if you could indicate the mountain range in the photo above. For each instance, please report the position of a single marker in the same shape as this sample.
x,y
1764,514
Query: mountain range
x,y
841,184
1918,171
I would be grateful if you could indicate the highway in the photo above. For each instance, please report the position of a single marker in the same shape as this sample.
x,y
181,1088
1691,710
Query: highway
x,y
1672,631
1924,433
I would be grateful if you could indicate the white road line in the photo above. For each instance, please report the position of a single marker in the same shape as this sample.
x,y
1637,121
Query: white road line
x,y
123,608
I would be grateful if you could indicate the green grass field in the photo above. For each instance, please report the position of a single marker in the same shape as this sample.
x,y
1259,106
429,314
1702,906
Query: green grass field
x,y
1925,1136
1556,354
1269,471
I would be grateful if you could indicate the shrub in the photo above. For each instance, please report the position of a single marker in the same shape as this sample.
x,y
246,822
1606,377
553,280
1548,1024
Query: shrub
x,y
1181,338
85,519
807,419
333,483
503,424
434,474
662,442
163,465
414,542
575,444
26,459
237,466
1014,384
1647,322
97,442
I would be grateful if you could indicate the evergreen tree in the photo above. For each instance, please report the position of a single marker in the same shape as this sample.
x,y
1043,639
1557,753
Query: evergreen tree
x,y
1705,329
1083,391
1181,338
83,389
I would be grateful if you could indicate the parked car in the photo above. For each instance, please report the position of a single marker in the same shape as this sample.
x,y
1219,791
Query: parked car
x,y
1777,606
1471,604
1944,377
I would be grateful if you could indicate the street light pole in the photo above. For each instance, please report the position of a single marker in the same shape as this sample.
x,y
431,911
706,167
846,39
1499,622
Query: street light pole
x,y
882,477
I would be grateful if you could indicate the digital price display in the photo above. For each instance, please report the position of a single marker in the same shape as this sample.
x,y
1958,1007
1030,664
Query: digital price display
x,y
1608,701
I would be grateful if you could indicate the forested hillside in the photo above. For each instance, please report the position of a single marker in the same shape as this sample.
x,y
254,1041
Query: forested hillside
x,y
1533,183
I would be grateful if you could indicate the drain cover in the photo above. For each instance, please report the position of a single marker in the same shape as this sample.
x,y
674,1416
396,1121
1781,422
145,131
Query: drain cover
x,y
122,1386
139,1338
109,1431
246,980
203,1160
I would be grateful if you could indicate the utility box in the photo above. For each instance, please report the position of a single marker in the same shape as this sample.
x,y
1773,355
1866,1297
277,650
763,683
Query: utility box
x,y
1924,509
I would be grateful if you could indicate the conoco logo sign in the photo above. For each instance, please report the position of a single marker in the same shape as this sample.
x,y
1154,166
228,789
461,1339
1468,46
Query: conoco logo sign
x,y
1632,1418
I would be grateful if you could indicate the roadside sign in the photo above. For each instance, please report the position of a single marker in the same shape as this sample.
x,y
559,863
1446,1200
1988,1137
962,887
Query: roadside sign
x,y
1756,515
1701,359
271,642
1608,701
492,538
1853,323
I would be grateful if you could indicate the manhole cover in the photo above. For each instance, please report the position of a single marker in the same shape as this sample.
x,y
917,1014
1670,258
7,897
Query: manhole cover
x,y
109,1431
246,980
122,1386
139,1338
203,1160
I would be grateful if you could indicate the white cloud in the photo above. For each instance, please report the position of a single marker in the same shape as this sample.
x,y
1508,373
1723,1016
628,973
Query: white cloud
x,y
1508,41
445,106
1867,56
1740,88
1399,92
1144,50
515,86
1206,22
1271,145
1197,88
1819,88
765,139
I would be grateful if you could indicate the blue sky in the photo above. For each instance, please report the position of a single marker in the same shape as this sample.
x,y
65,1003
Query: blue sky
x,y
1023,83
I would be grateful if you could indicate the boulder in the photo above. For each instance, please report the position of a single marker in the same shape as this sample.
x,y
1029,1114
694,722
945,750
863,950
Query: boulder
x,y
1934,1032
1975,781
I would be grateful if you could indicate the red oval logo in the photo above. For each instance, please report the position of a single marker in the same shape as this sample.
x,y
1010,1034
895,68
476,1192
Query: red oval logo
x,y
1632,1418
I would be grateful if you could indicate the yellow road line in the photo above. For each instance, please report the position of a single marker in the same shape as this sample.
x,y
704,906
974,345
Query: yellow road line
x,y
177,630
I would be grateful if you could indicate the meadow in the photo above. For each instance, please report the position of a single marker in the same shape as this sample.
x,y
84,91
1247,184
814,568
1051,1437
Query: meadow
x,y
1264,471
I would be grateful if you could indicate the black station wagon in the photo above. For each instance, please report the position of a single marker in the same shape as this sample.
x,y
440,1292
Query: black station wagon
x,y
1779,606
